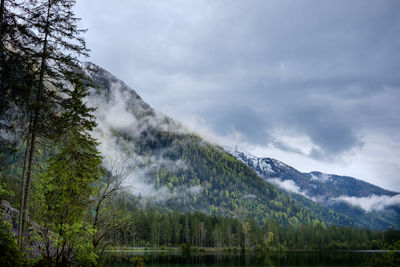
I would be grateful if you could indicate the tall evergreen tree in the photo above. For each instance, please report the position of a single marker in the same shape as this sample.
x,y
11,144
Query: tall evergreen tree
x,y
61,45
17,77
66,186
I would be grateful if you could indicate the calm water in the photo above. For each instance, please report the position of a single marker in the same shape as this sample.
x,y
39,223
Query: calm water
x,y
286,259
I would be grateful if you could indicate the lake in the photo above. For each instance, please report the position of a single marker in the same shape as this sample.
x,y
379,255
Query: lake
x,y
271,259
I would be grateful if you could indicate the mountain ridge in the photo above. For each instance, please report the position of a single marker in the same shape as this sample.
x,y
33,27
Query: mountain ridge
x,y
343,194
177,169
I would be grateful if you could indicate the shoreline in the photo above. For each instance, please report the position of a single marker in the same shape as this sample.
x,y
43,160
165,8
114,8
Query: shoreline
x,y
233,250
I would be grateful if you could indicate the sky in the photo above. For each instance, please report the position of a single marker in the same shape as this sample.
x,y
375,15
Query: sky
x,y
315,84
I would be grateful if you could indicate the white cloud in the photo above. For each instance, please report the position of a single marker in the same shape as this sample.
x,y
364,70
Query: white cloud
x,y
195,190
140,184
370,203
110,116
287,185
115,116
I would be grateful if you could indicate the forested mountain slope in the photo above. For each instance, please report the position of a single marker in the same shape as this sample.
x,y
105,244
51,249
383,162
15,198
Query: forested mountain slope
x,y
368,205
177,169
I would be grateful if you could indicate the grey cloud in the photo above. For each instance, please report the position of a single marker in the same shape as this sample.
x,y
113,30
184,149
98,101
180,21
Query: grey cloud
x,y
287,148
327,70
238,118
325,128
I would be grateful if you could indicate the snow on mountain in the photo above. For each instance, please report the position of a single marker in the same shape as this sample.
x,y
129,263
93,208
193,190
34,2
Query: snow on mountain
x,y
343,194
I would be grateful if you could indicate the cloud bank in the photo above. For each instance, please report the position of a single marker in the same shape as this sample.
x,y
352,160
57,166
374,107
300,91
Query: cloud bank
x,y
321,71
116,116
288,185
370,203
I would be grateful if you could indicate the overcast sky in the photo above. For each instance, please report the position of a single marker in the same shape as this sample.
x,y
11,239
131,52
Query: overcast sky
x,y
315,84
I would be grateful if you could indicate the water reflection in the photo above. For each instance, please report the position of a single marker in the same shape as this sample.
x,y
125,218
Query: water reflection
x,y
275,259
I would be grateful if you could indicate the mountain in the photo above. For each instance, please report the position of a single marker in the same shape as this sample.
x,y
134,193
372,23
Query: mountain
x,y
177,170
368,205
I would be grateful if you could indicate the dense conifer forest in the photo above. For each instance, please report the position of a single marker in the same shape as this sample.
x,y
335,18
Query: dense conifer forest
x,y
151,228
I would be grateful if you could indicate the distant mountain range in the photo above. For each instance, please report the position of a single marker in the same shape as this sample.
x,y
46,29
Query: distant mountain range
x,y
175,169
368,205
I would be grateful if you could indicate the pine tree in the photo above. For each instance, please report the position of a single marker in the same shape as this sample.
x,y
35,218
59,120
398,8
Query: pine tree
x,y
61,45
66,186
17,77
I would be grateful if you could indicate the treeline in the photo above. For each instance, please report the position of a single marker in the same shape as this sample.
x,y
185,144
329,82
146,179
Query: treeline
x,y
150,228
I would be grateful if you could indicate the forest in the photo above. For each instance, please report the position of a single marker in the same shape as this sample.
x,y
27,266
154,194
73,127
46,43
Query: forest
x,y
154,229
65,208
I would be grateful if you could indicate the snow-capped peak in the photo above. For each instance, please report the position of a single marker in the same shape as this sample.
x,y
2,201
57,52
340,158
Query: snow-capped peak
x,y
261,165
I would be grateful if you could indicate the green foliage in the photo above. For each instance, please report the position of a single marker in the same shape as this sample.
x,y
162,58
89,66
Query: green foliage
x,y
186,249
10,255
64,190
213,182
152,228
65,187
78,236
138,261
389,259
42,106
4,191
113,217
210,180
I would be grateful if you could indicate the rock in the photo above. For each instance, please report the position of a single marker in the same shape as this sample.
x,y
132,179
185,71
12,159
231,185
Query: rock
x,y
36,234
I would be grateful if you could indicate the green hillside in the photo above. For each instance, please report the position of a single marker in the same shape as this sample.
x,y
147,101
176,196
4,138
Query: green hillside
x,y
190,174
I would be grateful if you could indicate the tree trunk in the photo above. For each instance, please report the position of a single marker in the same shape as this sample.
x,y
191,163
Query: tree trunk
x,y
20,218
96,217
